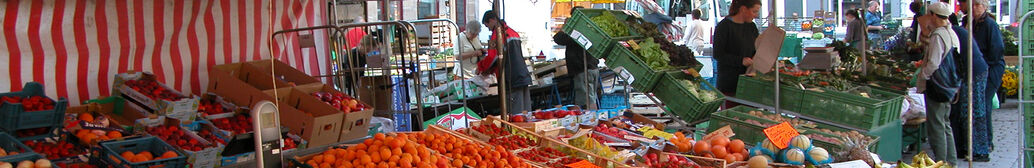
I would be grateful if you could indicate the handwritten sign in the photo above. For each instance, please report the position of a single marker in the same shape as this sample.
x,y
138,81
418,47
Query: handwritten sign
x,y
781,134
582,164
725,131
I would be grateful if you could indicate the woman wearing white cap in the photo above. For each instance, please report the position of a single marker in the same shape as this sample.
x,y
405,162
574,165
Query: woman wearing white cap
x,y
940,42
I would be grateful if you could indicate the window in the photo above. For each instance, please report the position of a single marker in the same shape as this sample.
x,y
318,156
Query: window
x,y
427,8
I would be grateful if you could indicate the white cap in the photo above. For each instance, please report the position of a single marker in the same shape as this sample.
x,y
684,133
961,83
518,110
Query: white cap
x,y
940,9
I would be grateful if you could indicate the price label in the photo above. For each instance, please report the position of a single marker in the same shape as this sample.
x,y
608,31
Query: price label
x,y
624,74
582,164
581,39
781,134
725,131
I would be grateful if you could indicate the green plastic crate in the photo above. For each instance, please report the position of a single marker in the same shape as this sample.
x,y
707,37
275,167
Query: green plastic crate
x,y
10,144
14,117
1028,158
851,109
677,96
597,42
749,133
792,48
1028,123
759,91
643,76
1027,78
110,152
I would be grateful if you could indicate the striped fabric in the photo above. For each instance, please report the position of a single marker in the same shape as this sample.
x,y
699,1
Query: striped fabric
x,y
74,47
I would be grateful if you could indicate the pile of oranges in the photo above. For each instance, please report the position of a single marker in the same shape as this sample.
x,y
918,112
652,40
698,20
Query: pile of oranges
x,y
721,148
88,136
683,143
380,151
467,153
146,156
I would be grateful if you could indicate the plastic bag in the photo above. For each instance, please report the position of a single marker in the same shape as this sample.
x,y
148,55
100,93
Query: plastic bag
x,y
916,106
381,125
995,104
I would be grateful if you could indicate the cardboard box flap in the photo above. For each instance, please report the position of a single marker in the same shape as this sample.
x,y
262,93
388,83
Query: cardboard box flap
x,y
284,72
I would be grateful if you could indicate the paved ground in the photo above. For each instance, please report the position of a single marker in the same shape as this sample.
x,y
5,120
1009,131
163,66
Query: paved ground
x,y
1008,134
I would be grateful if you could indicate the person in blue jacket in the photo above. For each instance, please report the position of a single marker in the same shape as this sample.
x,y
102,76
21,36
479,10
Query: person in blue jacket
x,y
959,109
989,38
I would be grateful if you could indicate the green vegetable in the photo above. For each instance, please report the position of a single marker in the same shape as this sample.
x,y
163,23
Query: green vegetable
x,y
610,24
656,58
703,95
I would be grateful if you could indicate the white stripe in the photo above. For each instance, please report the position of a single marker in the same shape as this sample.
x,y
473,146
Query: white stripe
x,y
72,80
131,23
148,34
21,28
5,55
248,28
186,56
49,54
234,13
202,41
264,33
166,56
217,18
91,45
113,24
291,18
302,21
321,48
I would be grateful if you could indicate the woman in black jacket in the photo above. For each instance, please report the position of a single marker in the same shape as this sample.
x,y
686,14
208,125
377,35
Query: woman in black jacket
x,y
734,44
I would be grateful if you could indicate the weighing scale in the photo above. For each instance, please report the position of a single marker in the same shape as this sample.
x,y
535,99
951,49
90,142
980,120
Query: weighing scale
x,y
267,134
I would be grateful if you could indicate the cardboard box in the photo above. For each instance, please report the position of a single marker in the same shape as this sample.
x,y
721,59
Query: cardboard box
x,y
183,109
587,117
249,75
284,72
308,117
354,124
376,91
541,125
570,122
227,85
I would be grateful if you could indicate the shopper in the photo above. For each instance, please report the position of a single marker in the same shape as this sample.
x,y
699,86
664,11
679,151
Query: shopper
x,y
517,76
954,18
355,34
939,87
989,38
698,32
470,51
734,44
960,109
874,20
583,68
855,30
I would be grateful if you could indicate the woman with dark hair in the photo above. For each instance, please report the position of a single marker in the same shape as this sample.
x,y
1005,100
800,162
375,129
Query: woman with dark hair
x,y
855,29
734,44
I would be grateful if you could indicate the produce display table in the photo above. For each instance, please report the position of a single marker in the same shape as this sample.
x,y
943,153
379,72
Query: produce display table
x,y
300,152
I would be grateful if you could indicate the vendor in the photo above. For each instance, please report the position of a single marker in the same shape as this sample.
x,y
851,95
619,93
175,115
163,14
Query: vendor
x,y
517,77
582,66
734,44
470,51
855,30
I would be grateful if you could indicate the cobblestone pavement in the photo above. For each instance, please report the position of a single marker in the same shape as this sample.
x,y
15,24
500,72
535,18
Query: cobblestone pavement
x,y
1008,137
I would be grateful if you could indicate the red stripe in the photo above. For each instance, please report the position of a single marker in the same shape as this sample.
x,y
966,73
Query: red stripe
x,y
105,47
10,20
159,38
297,9
59,48
195,53
258,30
243,29
141,43
227,49
79,31
34,42
314,62
174,46
123,39
285,23
326,60
210,29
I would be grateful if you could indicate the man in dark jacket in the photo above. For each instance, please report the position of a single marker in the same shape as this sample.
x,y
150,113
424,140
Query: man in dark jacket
x,y
517,77
582,67
989,38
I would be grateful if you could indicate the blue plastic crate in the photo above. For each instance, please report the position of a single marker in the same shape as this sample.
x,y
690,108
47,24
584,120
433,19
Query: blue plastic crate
x,y
111,151
13,116
613,100
9,144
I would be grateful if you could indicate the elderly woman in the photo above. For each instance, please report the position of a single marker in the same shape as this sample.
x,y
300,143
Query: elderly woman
x,y
470,51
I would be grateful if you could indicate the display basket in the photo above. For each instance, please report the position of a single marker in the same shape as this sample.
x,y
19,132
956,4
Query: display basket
x,y
111,151
680,98
590,36
642,77
866,112
14,117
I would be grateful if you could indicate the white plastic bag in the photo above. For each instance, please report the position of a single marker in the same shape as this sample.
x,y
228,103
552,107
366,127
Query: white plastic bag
x,y
386,125
915,106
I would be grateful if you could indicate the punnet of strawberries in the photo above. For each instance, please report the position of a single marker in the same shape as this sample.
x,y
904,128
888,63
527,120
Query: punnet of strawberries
x,y
153,90
33,103
54,150
238,124
175,136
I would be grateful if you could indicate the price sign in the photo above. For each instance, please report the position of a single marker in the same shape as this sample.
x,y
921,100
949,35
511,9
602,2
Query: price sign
x,y
624,74
781,134
582,164
725,131
581,39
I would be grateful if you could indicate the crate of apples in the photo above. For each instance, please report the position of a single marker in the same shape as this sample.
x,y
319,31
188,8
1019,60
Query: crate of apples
x,y
143,88
236,124
212,104
177,137
55,150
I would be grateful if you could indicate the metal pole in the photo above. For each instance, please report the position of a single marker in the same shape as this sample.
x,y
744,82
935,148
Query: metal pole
x,y
865,43
1020,75
969,83
772,24
500,42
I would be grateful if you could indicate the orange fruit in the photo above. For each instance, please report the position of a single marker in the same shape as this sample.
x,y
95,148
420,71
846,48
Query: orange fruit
x,y
736,146
329,159
739,156
348,155
378,136
730,159
114,134
701,147
318,158
146,154
720,141
394,158
457,163
376,158
719,151
312,163
128,155
325,165
169,154
86,117
365,159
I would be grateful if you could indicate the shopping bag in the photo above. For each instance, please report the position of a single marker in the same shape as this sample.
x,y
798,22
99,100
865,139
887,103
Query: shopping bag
x,y
994,102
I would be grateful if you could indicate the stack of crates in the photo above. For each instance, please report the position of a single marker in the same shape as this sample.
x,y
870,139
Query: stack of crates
x,y
1027,80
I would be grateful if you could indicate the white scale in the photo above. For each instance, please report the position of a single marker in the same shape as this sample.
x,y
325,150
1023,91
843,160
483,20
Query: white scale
x,y
267,135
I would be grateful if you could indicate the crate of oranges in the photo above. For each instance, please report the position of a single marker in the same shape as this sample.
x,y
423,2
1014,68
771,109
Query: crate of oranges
x,y
142,152
382,150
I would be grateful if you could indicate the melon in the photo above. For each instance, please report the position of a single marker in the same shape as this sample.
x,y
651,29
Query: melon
x,y
43,163
818,155
26,164
801,141
767,144
758,162
6,165
793,156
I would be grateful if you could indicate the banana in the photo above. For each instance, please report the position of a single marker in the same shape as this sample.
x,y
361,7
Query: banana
x,y
903,165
